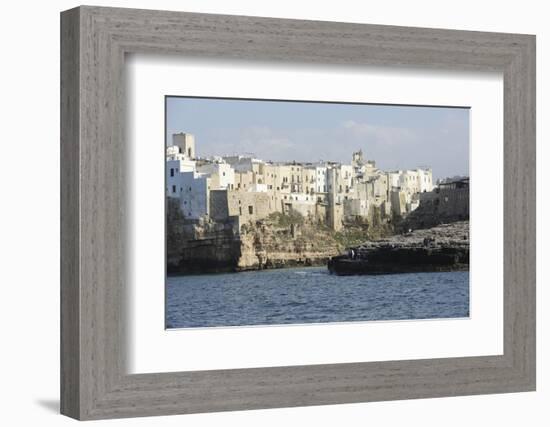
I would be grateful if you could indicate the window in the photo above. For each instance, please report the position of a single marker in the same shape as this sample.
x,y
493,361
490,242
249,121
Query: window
x,y
189,152
240,211
173,188
171,171
251,210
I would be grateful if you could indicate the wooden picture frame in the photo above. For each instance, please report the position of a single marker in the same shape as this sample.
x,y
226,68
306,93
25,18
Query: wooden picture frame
x,y
94,382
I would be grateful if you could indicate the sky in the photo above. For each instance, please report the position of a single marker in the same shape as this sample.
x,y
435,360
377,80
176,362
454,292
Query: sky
x,y
395,137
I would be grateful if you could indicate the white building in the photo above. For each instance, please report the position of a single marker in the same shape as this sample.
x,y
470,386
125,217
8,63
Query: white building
x,y
319,172
192,190
393,179
426,179
222,175
416,181
182,179
411,181
243,163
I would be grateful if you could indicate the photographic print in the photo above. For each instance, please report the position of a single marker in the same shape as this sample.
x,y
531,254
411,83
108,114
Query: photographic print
x,y
286,212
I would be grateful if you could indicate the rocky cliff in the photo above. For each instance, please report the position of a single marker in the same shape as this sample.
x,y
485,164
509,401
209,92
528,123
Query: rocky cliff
x,y
442,248
268,244
278,241
202,247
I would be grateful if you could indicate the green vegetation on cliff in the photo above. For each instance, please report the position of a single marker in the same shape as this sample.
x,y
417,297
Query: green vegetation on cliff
x,y
311,234
286,220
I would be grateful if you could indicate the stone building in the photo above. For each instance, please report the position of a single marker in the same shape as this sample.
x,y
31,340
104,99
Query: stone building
x,y
415,180
249,188
398,199
192,189
248,206
454,198
309,179
221,174
448,202
185,142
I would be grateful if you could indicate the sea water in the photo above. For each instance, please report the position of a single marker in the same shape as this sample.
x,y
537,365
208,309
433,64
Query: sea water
x,y
312,295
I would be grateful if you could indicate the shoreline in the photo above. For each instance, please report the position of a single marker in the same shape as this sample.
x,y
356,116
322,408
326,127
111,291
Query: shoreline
x,y
233,272
439,249
231,269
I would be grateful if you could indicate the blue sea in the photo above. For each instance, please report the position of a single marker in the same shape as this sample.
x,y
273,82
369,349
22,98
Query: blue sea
x,y
312,295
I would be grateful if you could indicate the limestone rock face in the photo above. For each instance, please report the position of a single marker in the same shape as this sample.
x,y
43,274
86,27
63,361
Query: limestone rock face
x,y
278,241
442,248
265,245
202,248
209,246
456,234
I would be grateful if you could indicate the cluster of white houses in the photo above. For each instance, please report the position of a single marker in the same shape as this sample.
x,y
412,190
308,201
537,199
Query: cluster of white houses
x,y
251,189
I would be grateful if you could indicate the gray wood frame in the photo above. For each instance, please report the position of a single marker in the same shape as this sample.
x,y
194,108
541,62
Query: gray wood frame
x,y
94,41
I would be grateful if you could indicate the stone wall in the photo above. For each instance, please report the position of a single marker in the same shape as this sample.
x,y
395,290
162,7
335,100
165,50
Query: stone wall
x,y
219,208
249,206
442,205
454,202
398,203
